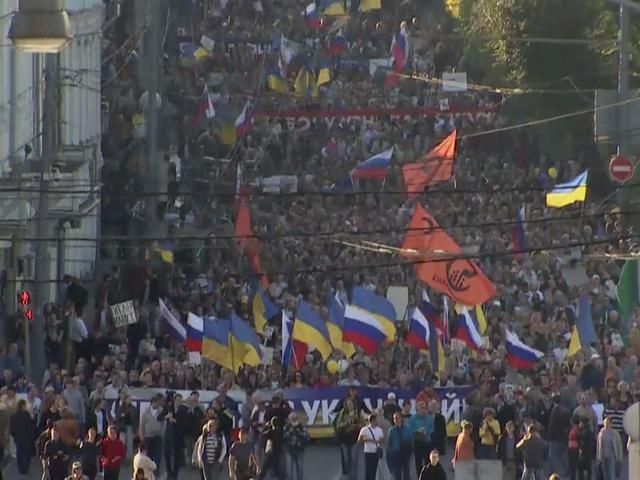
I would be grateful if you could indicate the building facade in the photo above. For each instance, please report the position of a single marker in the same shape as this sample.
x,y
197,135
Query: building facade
x,y
74,175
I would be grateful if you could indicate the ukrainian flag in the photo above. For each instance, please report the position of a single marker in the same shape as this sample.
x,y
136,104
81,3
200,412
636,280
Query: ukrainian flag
x,y
335,326
583,333
324,73
333,8
216,346
436,353
310,329
306,84
165,250
477,315
369,5
568,193
275,81
378,306
244,343
263,308
200,53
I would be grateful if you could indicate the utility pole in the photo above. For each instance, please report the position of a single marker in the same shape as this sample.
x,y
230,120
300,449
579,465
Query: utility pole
x,y
44,229
623,78
154,57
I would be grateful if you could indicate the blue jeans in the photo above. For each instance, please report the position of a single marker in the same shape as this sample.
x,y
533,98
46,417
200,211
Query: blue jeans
x,y
608,467
349,460
533,473
399,465
558,458
297,464
487,452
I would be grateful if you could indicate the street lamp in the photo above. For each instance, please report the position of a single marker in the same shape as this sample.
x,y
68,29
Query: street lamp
x,y
40,26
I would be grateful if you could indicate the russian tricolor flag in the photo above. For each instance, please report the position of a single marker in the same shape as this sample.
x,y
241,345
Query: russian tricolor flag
x,y
400,50
432,314
376,167
419,332
519,355
311,16
467,331
243,122
176,329
195,332
518,233
337,44
363,329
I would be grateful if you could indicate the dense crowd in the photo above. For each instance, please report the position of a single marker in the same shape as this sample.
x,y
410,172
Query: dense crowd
x,y
562,417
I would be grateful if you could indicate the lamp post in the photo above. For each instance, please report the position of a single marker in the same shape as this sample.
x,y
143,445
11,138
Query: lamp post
x,y
42,26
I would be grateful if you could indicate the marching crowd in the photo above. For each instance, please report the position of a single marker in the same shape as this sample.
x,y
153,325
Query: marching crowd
x,y
562,417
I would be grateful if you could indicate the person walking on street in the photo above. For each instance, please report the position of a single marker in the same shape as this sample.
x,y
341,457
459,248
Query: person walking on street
x,y
56,455
557,434
77,472
142,461
507,451
89,453
152,429
23,431
372,437
609,451
585,449
112,453
296,438
534,454
463,451
347,425
243,464
433,470
489,434
399,448
421,424
209,451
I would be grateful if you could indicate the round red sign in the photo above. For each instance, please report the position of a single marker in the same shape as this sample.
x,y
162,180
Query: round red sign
x,y
621,169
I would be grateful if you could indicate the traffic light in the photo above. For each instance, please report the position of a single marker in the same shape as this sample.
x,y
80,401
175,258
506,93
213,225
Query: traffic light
x,y
24,300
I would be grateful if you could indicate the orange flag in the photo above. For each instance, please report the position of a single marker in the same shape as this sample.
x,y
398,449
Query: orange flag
x,y
436,167
459,278
246,241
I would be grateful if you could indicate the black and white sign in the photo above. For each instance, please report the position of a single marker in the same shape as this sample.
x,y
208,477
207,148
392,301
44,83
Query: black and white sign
x,y
123,314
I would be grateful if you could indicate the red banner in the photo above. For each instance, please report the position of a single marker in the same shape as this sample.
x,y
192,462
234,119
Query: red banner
x,y
302,119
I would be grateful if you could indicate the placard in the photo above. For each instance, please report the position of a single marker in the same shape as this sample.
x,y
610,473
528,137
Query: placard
x,y
123,314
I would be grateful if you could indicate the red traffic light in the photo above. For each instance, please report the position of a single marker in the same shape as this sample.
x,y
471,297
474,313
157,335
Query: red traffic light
x,y
29,314
24,298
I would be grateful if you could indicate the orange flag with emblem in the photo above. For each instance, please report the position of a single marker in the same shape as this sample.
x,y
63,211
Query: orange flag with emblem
x,y
436,167
454,275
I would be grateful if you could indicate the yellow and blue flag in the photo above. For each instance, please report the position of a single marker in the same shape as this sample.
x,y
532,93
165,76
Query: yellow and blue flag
x,y
583,334
324,72
263,308
305,84
216,346
378,306
245,345
275,78
310,329
568,193
333,8
335,326
369,5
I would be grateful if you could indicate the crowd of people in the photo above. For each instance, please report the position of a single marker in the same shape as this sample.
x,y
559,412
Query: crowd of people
x,y
562,417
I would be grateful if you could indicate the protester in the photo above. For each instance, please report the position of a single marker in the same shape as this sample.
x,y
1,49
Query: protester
x,y
56,456
243,464
22,430
489,435
209,451
77,472
89,454
506,451
112,453
141,461
464,448
399,448
433,470
371,436
609,451
534,454
296,439
348,423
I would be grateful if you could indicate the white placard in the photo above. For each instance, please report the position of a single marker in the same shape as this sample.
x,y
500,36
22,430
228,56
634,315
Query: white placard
x,y
123,314
454,82
207,43
374,63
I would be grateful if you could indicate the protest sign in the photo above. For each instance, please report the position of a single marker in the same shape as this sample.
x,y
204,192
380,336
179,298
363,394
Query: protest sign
x,y
123,314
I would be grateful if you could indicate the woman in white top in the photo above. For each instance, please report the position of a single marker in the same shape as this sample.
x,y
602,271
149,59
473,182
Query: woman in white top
x,y
371,436
142,461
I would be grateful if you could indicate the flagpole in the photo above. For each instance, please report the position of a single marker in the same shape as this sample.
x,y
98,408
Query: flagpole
x,y
397,344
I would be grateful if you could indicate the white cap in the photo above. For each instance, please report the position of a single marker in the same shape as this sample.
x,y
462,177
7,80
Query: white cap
x,y
391,396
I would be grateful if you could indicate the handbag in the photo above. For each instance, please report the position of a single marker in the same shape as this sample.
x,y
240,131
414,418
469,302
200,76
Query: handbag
x,y
379,450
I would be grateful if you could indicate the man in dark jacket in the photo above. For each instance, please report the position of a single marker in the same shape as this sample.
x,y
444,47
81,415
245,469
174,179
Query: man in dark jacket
x,y
534,453
439,435
558,434
56,456
98,418
23,431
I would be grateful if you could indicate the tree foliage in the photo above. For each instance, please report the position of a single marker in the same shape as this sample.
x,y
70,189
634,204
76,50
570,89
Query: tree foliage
x,y
501,28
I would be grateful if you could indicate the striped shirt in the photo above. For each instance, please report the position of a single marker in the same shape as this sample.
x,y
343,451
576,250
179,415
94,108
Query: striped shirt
x,y
616,419
211,449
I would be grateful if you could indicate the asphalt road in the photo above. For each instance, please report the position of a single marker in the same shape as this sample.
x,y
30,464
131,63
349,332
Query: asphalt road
x,y
321,463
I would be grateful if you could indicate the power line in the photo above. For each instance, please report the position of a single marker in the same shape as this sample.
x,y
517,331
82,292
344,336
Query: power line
x,y
440,258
